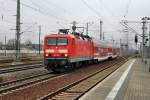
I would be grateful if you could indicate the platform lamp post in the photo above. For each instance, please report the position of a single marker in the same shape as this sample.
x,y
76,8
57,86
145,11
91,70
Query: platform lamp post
x,y
39,40
101,32
5,45
136,41
144,28
18,32
145,19
149,47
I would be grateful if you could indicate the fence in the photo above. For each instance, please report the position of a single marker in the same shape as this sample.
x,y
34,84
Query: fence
x,y
23,53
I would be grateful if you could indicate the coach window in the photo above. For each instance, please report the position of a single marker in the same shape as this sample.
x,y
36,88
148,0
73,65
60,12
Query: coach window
x,y
109,49
96,49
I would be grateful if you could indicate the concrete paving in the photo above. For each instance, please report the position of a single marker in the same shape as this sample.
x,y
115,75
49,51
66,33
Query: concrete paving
x,y
102,90
130,82
139,84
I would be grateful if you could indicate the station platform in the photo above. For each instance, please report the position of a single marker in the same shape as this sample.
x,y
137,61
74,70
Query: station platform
x,y
130,82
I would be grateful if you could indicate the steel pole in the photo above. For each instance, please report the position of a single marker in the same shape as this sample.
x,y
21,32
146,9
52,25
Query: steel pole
x,y
87,28
101,22
149,47
5,45
39,39
18,31
143,38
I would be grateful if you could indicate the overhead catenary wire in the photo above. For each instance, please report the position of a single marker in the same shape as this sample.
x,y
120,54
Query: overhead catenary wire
x,y
47,9
39,11
127,8
91,8
55,5
103,4
2,14
29,27
45,6
106,7
58,6
130,28
43,12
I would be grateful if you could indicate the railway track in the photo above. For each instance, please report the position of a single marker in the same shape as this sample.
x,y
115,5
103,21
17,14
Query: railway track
x,y
11,59
10,65
20,83
15,84
76,89
57,81
19,68
8,83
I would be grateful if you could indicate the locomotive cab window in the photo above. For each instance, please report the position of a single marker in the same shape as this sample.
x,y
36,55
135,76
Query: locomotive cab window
x,y
62,41
51,41
57,41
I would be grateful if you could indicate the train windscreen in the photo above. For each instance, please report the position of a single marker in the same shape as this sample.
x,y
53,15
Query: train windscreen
x,y
51,41
57,41
62,41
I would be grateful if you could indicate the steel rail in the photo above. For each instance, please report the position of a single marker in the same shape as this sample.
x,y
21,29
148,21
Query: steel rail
x,y
19,68
30,81
46,97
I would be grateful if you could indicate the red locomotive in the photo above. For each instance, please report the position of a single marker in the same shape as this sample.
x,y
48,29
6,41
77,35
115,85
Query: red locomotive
x,y
66,51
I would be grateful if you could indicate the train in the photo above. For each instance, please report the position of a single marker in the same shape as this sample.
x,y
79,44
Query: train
x,y
63,51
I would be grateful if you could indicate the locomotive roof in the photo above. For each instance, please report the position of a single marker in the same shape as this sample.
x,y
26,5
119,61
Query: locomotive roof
x,y
60,35
97,42
69,35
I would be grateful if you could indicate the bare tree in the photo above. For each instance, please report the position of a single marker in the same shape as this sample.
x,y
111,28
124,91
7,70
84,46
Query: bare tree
x,y
11,44
28,43
1,45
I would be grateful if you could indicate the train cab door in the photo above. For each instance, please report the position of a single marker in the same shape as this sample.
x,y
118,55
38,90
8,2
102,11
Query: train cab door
x,y
73,46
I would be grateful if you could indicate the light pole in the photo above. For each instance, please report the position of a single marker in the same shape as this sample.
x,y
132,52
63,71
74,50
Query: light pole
x,y
144,28
39,40
149,48
101,23
5,45
18,31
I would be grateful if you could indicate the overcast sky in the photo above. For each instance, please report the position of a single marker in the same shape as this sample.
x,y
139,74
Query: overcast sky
x,y
55,14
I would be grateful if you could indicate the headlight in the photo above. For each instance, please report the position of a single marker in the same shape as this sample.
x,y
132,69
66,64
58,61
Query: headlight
x,y
46,55
66,55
